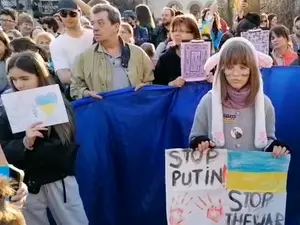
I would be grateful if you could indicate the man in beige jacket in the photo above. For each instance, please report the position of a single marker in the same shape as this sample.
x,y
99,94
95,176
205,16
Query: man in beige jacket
x,y
109,64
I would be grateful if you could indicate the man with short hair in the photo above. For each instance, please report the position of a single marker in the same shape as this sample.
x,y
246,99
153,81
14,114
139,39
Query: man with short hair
x,y
8,19
160,34
140,33
25,24
71,43
110,64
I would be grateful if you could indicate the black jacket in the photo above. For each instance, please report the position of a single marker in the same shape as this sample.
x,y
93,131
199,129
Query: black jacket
x,y
48,162
168,67
160,34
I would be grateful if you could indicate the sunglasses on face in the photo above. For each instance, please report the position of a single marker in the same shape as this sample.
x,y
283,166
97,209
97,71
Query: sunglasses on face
x,y
65,13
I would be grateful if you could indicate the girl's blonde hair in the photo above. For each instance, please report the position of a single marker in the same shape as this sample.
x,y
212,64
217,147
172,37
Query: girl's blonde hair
x,y
5,40
129,29
239,53
15,33
9,214
45,35
149,48
33,63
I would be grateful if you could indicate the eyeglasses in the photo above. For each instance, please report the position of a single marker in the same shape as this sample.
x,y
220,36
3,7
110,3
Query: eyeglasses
x,y
65,13
6,21
182,31
264,21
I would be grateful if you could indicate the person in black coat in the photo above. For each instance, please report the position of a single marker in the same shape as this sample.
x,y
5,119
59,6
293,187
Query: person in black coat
x,y
168,69
46,154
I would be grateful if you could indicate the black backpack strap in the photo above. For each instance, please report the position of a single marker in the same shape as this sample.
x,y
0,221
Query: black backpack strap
x,y
125,55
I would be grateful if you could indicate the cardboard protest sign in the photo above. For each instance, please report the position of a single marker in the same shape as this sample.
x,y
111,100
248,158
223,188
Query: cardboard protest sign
x,y
193,58
195,185
225,187
259,38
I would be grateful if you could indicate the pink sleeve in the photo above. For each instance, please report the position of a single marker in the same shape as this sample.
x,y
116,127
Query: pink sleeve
x,y
265,61
212,62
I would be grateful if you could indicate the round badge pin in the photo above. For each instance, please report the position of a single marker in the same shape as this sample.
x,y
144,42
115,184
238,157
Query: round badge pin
x,y
236,132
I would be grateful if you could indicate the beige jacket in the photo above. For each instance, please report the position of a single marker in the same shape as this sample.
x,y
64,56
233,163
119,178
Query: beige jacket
x,y
91,70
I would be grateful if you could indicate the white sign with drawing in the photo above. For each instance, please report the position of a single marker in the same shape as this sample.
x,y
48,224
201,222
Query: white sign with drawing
x,y
44,104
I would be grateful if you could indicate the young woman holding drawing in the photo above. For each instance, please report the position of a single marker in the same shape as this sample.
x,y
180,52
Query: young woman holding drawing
x,y
46,154
236,114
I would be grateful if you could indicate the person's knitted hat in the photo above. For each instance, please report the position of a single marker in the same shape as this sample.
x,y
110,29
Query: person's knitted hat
x,y
260,139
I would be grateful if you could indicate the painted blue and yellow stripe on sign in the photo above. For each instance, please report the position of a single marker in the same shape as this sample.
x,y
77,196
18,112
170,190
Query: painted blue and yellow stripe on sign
x,y
257,171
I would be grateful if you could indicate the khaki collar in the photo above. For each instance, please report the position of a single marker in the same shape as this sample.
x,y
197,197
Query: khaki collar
x,y
99,47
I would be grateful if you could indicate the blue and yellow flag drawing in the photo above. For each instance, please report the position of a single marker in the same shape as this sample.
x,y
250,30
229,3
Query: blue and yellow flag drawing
x,y
257,172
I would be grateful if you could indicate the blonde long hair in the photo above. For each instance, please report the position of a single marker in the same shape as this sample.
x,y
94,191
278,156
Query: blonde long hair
x,y
33,63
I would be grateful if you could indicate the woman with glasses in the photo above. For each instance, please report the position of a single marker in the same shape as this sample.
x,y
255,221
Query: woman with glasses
x,y
264,21
168,68
8,19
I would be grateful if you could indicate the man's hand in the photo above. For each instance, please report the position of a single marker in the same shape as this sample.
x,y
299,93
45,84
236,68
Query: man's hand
x,y
92,94
139,86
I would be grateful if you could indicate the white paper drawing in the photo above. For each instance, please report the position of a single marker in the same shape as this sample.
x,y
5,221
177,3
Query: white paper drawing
x,y
44,104
192,170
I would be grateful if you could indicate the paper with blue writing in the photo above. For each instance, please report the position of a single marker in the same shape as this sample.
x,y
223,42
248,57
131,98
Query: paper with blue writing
x,y
251,190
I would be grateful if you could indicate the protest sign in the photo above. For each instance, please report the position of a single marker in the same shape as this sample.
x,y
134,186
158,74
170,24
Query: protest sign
x,y
225,187
259,38
195,183
193,58
25,108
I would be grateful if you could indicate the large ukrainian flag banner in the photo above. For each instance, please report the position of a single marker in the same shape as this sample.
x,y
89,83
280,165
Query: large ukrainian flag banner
x,y
257,172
